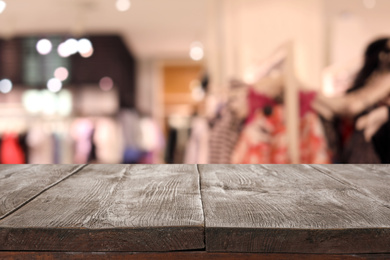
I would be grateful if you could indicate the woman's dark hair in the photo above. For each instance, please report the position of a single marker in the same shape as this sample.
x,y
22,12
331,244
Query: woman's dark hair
x,y
372,62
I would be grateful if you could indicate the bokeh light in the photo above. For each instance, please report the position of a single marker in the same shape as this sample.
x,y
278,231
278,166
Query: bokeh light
x,y
44,46
62,50
106,83
196,51
46,102
68,48
87,54
5,86
84,45
3,5
122,5
61,73
71,46
31,100
54,85
49,100
85,48
64,103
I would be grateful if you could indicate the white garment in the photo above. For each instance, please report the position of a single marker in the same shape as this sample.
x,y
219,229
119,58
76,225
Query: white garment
x,y
131,130
40,144
197,150
108,141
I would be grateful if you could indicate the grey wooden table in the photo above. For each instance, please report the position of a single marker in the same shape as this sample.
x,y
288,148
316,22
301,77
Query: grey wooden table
x,y
194,211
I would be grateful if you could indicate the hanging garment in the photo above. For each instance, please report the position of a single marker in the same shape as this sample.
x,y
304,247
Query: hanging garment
x,y
22,140
178,135
381,142
152,141
313,145
357,150
11,151
40,144
56,148
131,132
349,145
171,145
264,137
82,131
66,144
223,137
108,141
197,150
257,101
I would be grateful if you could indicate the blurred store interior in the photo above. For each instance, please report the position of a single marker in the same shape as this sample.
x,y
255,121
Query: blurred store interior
x,y
194,81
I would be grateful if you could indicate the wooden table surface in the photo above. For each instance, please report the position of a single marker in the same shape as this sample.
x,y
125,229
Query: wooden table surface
x,y
196,211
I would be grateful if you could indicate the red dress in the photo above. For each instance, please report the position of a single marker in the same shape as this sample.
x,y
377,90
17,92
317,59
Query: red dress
x,y
11,152
264,138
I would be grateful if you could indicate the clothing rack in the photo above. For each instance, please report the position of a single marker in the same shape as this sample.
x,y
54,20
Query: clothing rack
x,y
283,58
291,102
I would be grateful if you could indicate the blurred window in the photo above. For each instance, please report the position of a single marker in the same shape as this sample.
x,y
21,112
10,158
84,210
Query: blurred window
x,y
38,68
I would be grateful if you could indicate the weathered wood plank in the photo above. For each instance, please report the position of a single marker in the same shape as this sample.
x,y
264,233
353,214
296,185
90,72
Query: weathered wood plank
x,y
289,209
21,183
112,208
179,256
371,179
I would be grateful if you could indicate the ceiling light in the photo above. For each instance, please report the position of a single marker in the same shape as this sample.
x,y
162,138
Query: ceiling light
x,y
5,86
3,5
44,46
122,5
196,51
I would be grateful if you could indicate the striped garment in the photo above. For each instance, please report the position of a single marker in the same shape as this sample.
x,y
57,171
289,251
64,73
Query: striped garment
x,y
223,137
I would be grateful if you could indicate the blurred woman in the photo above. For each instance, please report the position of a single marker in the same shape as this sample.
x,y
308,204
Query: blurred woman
x,y
360,119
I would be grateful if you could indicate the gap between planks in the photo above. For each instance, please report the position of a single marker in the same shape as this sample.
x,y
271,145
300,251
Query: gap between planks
x,y
78,169
201,202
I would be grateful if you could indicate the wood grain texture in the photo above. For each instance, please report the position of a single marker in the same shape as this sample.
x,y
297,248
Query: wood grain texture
x,y
289,209
372,180
179,256
112,208
21,183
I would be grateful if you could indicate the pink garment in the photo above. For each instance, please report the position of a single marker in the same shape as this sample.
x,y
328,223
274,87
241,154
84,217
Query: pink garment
x,y
81,131
258,101
305,99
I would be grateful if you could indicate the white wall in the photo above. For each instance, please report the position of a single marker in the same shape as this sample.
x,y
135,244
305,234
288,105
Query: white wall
x,y
352,27
247,31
